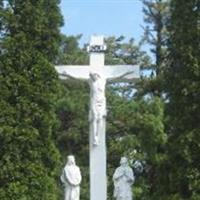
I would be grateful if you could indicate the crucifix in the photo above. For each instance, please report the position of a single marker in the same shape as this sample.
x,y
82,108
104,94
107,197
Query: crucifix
x,y
97,74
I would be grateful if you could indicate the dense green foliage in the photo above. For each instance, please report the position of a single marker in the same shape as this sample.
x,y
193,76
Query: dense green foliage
x,y
150,90
70,52
177,79
183,107
43,120
28,86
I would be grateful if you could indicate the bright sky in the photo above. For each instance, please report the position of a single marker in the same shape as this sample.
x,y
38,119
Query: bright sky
x,y
105,17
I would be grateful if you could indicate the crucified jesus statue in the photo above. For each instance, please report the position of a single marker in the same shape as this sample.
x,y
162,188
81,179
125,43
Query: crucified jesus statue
x,y
97,111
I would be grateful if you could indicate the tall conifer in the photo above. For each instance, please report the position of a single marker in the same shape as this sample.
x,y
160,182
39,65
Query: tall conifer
x,y
28,86
182,84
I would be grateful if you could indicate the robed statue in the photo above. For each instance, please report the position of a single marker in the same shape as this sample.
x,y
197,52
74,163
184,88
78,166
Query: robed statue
x,y
123,179
71,178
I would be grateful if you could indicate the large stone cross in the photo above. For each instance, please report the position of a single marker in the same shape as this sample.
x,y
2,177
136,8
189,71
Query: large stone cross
x,y
97,74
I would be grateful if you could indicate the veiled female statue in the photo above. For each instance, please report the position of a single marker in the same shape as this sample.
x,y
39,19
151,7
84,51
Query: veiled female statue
x,y
71,178
123,179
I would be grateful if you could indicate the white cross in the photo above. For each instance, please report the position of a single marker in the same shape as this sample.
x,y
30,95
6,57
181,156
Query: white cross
x,y
97,74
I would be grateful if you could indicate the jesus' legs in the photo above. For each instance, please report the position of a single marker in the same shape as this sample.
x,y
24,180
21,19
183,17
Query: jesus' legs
x,y
95,132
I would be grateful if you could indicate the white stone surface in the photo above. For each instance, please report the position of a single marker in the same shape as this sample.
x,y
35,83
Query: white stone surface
x,y
123,179
117,73
98,178
97,40
97,115
97,111
71,178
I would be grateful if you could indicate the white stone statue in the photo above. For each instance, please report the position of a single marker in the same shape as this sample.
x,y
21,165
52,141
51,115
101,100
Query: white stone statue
x,y
97,104
71,178
123,179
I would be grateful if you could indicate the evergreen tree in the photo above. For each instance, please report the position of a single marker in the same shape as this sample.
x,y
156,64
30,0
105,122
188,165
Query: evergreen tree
x,y
1,9
156,17
70,52
150,91
120,51
183,109
28,87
